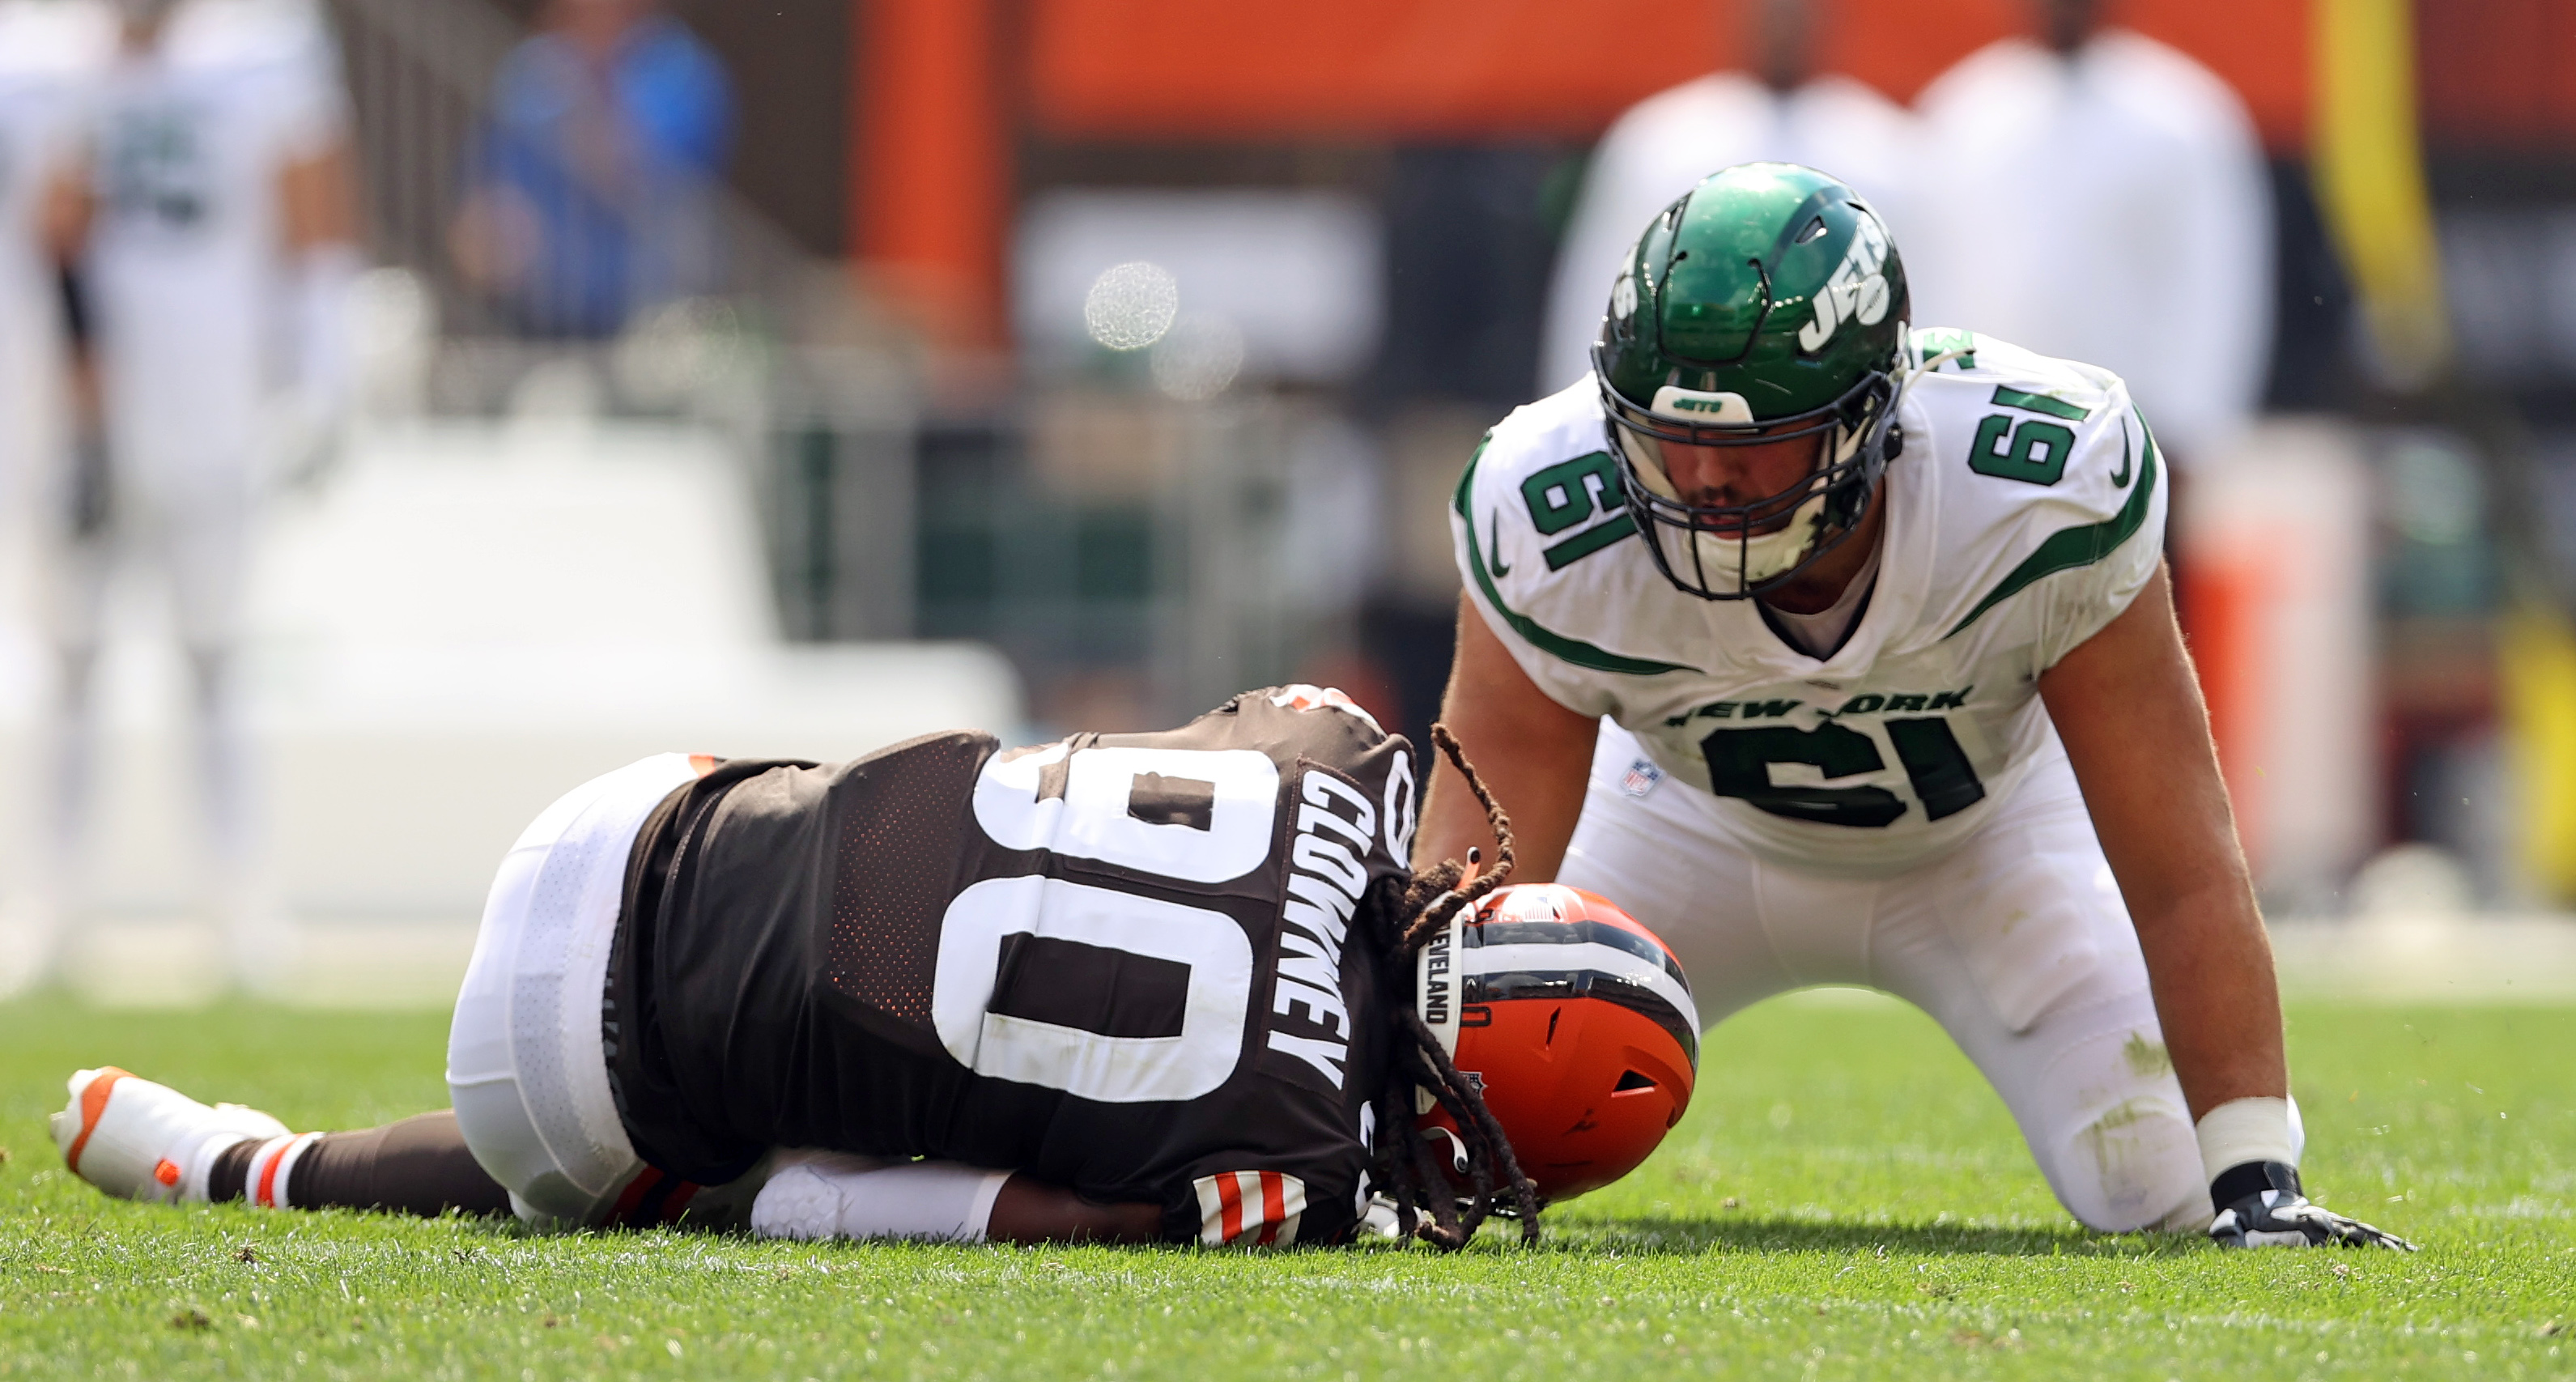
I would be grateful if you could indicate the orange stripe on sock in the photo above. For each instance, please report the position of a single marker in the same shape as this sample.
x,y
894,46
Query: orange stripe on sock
x,y
678,1202
634,1194
1274,1206
267,1196
93,1107
1229,1198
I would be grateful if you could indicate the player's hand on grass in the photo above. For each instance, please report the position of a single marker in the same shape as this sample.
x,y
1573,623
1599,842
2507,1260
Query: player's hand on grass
x,y
2280,1219
2260,1205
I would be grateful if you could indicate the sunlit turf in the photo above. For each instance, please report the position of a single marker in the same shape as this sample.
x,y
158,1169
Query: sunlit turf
x,y
1846,1199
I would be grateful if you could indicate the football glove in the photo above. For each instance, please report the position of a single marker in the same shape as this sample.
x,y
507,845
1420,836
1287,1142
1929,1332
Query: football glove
x,y
2260,1206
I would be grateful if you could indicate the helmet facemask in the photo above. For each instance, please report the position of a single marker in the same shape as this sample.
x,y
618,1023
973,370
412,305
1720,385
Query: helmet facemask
x,y
1736,551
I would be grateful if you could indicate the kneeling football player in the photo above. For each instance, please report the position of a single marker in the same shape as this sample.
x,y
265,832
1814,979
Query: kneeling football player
x,y
1178,986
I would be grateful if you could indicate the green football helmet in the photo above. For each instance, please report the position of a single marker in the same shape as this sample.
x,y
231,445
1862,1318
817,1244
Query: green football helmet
x,y
1767,304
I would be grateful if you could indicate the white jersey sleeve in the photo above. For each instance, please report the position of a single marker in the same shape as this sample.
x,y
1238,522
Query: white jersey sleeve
x,y
2059,486
1523,525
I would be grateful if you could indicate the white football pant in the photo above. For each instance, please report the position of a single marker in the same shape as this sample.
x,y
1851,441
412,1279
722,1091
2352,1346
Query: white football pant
x,y
2017,943
526,1066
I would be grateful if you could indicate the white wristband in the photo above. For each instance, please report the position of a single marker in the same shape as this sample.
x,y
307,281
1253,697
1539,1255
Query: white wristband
x,y
2243,1130
826,1195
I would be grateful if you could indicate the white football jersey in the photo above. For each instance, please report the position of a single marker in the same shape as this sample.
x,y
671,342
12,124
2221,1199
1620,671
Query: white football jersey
x,y
2025,512
187,258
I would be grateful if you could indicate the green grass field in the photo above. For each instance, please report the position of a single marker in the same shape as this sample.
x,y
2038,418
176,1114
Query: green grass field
x,y
1846,1199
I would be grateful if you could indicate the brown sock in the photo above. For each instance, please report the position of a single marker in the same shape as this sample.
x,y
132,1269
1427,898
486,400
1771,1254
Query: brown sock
x,y
417,1166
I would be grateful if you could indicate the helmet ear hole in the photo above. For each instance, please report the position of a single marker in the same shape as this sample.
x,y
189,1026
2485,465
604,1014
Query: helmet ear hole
x,y
1632,1080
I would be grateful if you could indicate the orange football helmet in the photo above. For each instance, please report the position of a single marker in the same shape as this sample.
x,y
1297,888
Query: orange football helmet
x,y
1576,1021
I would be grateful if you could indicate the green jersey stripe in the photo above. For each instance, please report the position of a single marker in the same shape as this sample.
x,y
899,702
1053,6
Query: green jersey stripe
x,y
2070,548
2039,403
1554,644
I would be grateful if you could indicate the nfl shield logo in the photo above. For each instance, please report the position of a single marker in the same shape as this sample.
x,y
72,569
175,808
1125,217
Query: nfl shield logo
x,y
1641,779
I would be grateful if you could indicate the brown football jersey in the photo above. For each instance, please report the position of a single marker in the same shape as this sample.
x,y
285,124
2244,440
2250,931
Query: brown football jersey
x,y
1142,966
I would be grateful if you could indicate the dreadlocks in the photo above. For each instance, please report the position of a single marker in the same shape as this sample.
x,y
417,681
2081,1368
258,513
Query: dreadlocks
x,y
1409,915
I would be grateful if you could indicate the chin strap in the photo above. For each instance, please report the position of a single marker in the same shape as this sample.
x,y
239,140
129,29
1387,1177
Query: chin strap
x,y
1819,510
1771,555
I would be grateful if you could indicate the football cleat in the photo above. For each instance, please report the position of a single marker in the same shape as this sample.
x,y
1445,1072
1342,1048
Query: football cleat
x,y
1575,1021
144,1141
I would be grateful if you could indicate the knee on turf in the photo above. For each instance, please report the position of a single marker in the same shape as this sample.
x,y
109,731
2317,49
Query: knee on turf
x,y
2133,1167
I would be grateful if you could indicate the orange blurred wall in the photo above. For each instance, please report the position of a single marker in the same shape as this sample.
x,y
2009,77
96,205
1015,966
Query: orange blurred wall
x,y
930,189
1468,69
945,87
2497,75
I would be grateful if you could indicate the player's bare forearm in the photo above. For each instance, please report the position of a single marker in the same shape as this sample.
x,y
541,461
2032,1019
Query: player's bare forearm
x,y
1029,1212
1533,754
64,217
2211,968
319,200
2130,713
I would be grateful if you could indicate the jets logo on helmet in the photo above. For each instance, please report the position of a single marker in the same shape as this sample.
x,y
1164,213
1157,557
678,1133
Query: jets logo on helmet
x,y
1858,291
1768,305
1691,406
1574,1019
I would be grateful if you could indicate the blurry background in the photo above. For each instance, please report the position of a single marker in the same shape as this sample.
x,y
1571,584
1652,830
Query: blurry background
x,y
795,376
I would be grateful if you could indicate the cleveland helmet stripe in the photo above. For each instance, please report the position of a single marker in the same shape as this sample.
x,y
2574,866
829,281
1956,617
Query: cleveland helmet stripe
x,y
1587,955
1566,985
1506,931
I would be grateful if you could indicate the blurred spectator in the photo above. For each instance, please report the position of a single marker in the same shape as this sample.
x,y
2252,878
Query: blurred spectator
x,y
607,133
49,54
2099,196
219,250
1782,112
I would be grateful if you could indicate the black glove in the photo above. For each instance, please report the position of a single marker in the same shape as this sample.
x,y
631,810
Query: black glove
x,y
2260,1206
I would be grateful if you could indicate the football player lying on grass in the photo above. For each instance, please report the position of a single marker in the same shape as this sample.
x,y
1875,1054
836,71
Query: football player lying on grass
x,y
1169,987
